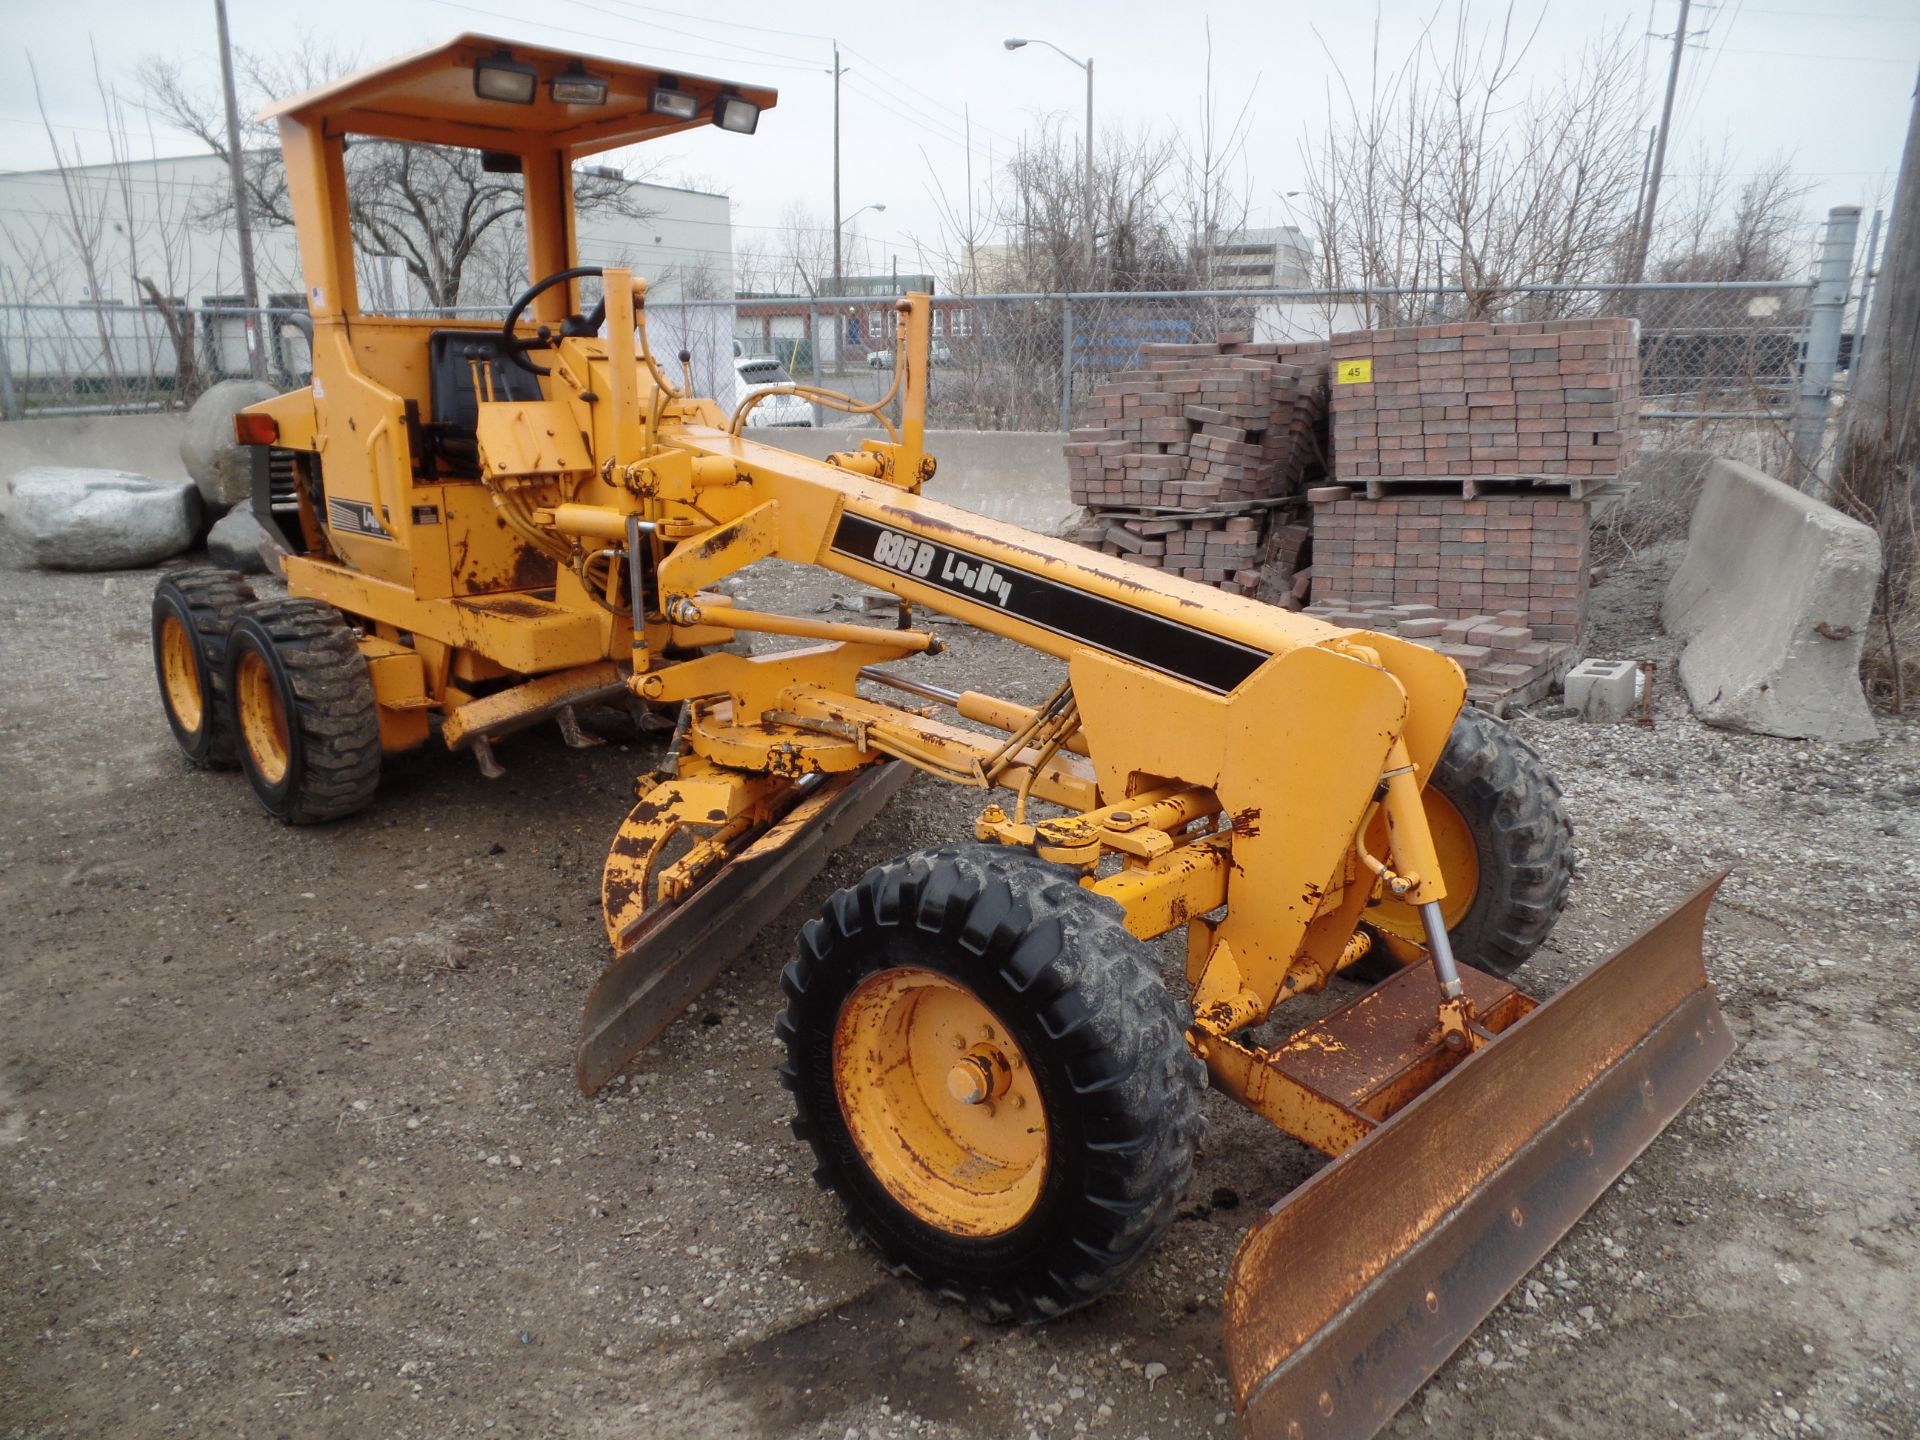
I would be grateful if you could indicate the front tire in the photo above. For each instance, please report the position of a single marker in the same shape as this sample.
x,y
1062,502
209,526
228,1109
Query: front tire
x,y
1505,846
304,711
193,610
993,1078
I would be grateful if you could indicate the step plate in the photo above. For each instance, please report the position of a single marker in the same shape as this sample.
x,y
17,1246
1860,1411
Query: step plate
x,y
1377,1052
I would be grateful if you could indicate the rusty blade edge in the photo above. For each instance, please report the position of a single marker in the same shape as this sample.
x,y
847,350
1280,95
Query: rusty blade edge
x,y
645,987
1377,1199
1355,1371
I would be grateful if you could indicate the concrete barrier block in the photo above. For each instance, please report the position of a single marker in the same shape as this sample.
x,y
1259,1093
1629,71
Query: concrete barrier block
x,y
1602,690
1773,600
73,519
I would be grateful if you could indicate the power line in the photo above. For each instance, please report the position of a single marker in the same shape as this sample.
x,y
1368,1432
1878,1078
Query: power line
x,y
689,34
609,39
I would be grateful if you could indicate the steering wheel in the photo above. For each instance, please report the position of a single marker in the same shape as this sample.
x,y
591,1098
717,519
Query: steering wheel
x,y
517,348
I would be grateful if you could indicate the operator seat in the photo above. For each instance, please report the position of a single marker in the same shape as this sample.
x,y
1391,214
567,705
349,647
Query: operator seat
x,y
454,407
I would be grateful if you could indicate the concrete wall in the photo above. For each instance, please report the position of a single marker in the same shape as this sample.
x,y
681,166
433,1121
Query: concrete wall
x,y
1016,476
1773,600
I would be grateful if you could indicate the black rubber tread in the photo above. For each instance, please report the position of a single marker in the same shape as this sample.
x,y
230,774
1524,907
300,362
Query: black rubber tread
x,y
1522,839
333,719
209,598
1105,1039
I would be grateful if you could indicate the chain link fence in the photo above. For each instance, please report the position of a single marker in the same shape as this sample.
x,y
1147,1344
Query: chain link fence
x,y
1710,353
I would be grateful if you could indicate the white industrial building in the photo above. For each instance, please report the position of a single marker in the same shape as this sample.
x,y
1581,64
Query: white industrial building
x,y
1277,258
167,221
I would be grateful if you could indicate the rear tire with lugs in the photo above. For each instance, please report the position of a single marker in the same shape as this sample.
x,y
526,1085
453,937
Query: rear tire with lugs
x,y
992,1076
193,609
304,711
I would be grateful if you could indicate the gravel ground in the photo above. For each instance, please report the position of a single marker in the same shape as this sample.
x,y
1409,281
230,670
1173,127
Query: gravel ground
x,y
291,1145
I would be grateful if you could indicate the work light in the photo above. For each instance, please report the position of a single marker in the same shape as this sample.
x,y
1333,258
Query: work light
x,y
573,86
676,104
501,77
730,112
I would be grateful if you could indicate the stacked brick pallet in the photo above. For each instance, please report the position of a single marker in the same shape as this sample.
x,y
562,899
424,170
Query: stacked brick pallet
x,y
1525,553
1221,429
1550,398
1504,657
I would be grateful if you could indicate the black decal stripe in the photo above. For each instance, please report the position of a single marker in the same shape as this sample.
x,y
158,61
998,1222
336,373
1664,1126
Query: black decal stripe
x,y
1183,651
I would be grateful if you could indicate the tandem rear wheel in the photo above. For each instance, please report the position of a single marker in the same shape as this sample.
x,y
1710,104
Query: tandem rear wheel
x,y
306,723
193,610
993,1078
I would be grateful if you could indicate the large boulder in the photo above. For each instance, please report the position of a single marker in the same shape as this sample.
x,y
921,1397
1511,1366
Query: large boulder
x,y
1773,600
234,542
222,469
73,519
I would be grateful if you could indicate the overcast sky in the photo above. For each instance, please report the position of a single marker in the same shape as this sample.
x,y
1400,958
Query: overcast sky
x,y
1830,85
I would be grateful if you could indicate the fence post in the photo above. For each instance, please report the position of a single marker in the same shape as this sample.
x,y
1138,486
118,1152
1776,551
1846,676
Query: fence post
x,y
1825,314
1066,365
9,405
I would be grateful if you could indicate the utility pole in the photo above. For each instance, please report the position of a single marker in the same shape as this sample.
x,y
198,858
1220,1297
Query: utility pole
x,y
1877,474
1644,242
838,71
242,222
839,337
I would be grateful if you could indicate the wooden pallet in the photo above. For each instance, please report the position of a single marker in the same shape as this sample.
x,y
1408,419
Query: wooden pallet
x,y
1223,510
1469,487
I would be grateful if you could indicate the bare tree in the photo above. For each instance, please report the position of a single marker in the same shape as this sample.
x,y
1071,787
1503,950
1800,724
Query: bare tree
x,y
1446,171
1213,197
1716,231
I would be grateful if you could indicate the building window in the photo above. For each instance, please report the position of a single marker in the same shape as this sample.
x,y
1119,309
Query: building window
x,y
962,324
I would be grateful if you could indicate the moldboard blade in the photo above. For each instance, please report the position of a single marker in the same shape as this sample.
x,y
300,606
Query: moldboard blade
x,y
677,954
1356,1287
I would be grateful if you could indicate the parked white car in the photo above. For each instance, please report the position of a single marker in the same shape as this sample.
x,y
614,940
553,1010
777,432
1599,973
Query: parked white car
x,y
938,351
755,373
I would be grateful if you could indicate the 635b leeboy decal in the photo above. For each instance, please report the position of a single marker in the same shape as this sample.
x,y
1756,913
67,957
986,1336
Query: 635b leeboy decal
x,y
1183,651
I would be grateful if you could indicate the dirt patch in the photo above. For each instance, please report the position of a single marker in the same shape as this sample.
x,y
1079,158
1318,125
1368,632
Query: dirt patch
x,y
289,1143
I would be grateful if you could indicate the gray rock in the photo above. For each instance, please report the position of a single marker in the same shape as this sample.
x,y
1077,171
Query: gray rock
x,y
73,519
1773,600
234,542
222,469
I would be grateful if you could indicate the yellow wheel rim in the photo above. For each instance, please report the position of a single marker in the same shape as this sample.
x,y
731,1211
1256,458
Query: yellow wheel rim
x,y
1459,867
180,675
940,1102
263,723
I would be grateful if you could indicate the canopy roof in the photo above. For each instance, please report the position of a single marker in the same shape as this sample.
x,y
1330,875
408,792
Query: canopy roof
x,y
429,97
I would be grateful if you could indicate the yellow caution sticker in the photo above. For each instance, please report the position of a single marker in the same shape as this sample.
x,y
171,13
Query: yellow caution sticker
x,y
1353,372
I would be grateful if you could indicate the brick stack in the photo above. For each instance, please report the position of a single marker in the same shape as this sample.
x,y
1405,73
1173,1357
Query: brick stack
x,y
1524,553
1221,428
1503,656
1539,398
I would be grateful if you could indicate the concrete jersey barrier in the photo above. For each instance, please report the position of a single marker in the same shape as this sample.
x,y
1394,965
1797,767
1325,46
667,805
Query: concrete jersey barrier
x,y
1773,600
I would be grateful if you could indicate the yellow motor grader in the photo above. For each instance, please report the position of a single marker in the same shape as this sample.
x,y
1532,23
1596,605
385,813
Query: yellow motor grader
x,y
492,526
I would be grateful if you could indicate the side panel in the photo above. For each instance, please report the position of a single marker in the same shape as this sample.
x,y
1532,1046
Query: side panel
x,y
1294,754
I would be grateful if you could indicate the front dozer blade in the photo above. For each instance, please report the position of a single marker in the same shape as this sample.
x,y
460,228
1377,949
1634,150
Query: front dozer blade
x,y
676,954
1356,1287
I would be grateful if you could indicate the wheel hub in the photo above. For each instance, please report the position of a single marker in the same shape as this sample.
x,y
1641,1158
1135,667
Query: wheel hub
x,y
940,1102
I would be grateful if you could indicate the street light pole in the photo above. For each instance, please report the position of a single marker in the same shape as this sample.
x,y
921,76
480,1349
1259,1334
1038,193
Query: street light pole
x,y
1087,178
878,207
